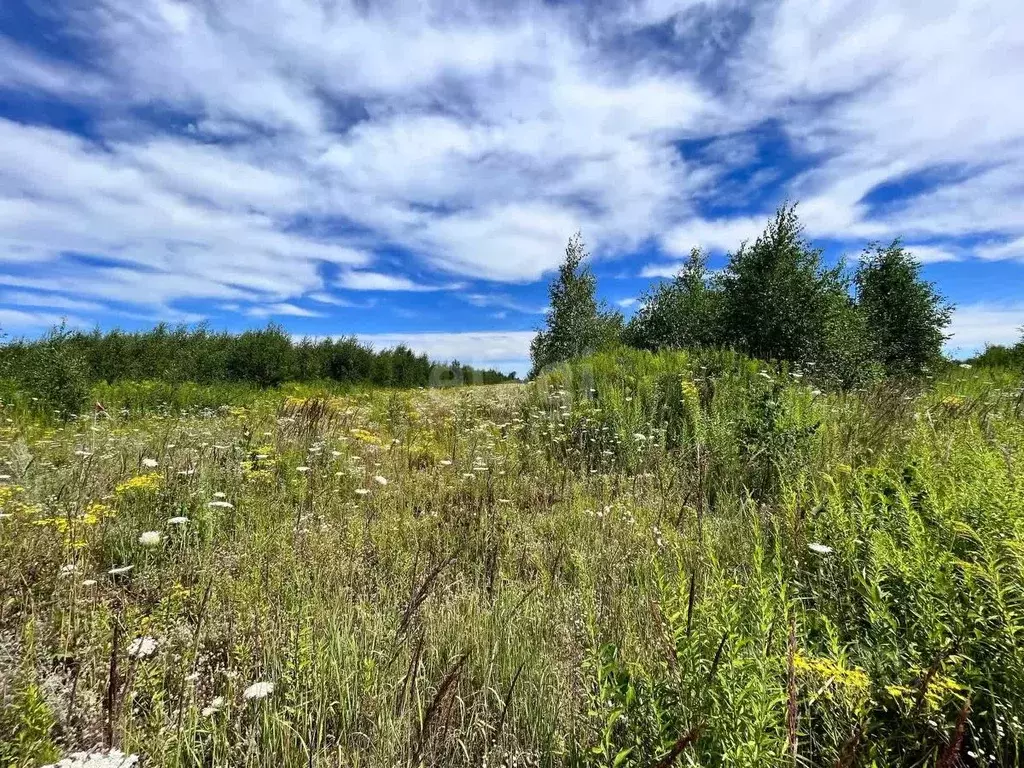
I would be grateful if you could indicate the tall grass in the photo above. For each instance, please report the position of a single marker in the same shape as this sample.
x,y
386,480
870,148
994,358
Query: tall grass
x,y
636,560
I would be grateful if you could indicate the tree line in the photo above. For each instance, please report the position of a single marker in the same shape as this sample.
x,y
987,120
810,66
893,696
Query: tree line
x,y
775,300
63,364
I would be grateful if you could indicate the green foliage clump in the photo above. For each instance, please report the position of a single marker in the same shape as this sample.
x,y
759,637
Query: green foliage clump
x,y
57,374
684,313
904,315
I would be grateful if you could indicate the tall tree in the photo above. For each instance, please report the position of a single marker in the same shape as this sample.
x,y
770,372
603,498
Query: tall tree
x,y
779,301
577,323
905,316
684,312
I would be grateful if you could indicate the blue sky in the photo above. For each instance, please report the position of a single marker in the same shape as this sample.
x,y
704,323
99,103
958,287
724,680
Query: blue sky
x,y
410,172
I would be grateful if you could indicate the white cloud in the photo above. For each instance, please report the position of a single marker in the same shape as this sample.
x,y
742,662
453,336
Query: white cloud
x,y
504,302
282,309
48,300
930,254
468,346
376,281
20,321
627,302
713,235
975,325
473,138
1012,250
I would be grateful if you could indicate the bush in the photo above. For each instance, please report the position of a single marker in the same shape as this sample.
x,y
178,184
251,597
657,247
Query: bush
x,y
58,374
683,313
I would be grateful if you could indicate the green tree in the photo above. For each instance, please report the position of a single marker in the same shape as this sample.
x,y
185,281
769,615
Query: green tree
x,y
577,323
779,302
58,373
905,316
682,313
263,357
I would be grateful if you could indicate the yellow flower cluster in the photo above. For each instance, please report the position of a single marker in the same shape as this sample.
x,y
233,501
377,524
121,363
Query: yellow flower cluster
x,y
366,437
260,469
827,669
11,504
141,484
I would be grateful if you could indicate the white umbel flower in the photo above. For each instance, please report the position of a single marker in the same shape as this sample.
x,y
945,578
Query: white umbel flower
x,y
821,549
149,463
214,707
219,504
259,690
150,538
380,479
177,520
142,647
115,758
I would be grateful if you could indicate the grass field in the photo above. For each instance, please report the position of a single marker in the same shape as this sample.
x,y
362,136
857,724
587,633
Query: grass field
x,y
636,560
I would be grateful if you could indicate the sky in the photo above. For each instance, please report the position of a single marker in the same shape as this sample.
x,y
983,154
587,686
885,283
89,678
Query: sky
x,y
409,172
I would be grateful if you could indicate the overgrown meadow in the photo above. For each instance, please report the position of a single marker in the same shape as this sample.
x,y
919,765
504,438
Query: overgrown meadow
x,y
636,560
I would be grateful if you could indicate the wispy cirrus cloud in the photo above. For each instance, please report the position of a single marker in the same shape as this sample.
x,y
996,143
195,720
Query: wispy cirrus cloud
x,y
272,154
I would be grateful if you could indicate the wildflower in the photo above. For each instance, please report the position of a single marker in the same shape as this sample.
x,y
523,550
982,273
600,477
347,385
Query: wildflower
x,y
362,491
115,758
445,463
120,570
142,647
258,690
303,470
89,583
821,549
150,538
177,520
214,707
149,463
221,504
380,479
219,495
965,365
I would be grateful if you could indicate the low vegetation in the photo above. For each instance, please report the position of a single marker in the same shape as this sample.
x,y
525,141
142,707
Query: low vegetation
x,y
670,553
682,558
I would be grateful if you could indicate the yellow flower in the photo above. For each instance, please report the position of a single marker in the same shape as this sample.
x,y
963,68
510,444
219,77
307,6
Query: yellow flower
x,y
141,484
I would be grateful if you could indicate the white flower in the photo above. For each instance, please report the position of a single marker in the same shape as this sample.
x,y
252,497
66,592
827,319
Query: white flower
x,y
150,538
220,495
150,463
445,463
221,504
965,365
142,647
177,521
115,758
89,583
302,469
381,480
68,569
821,549
214,707
258,691
362,491
119,570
